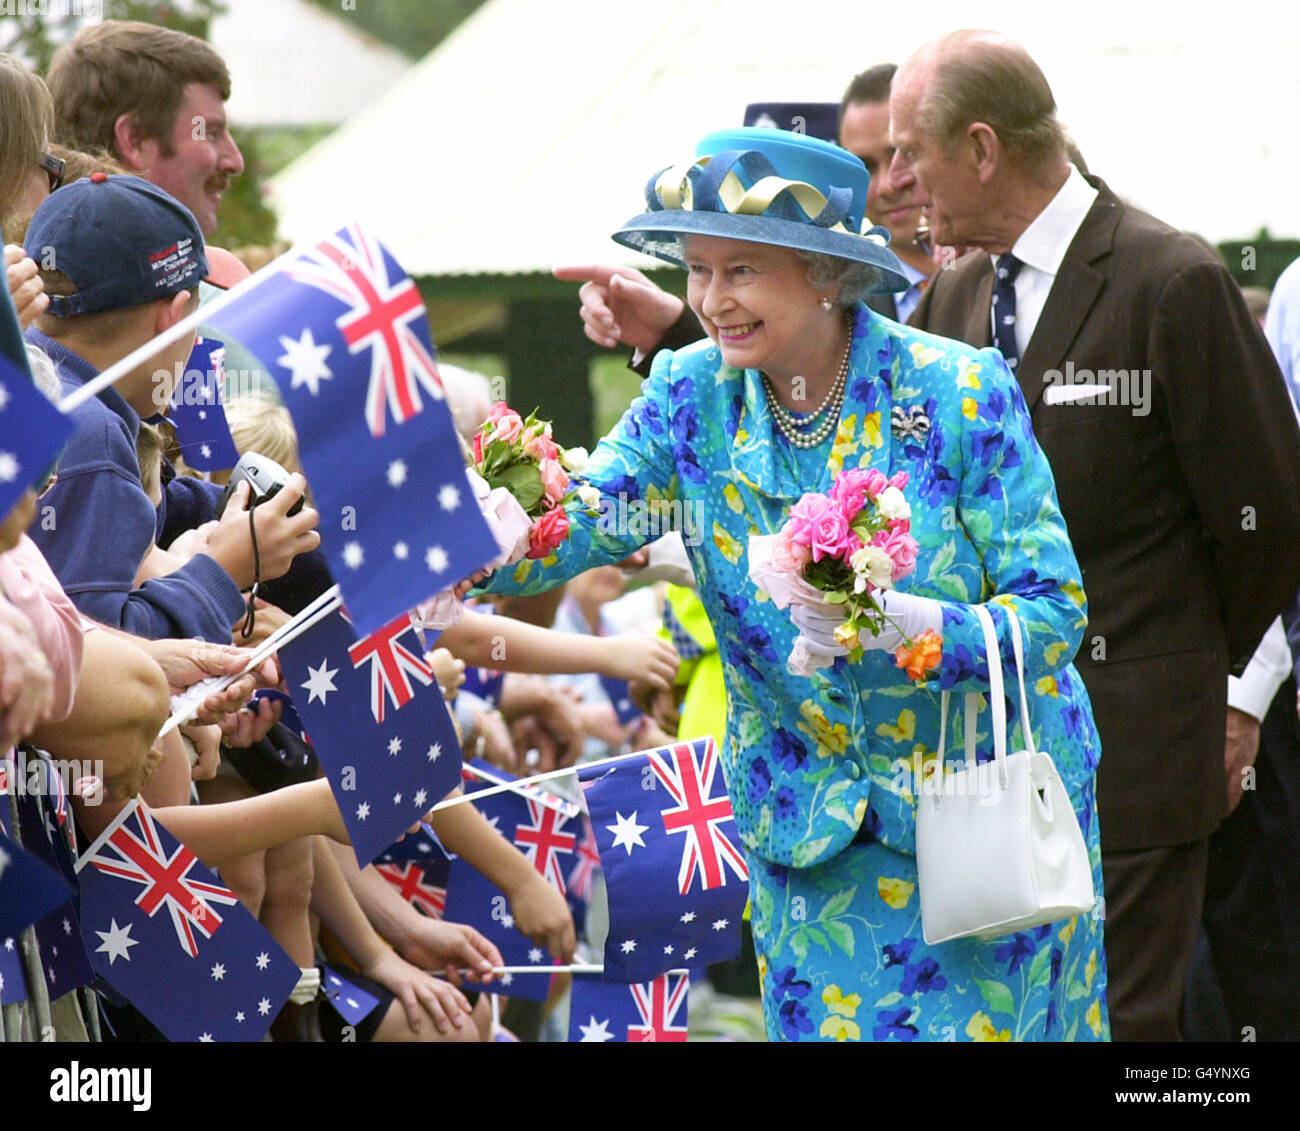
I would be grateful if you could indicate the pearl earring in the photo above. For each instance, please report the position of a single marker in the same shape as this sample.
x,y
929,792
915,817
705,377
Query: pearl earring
x,y
826,303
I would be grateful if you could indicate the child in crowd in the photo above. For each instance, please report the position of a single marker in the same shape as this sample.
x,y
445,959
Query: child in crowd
x,y
125,259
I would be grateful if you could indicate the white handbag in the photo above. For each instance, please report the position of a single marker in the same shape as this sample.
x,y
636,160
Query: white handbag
x,y
998,846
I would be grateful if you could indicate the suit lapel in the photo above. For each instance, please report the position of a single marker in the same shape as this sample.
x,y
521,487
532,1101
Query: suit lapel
x,y
978,330
1073,293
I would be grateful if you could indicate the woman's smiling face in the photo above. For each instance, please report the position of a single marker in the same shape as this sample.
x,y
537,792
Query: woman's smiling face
x,y
755,301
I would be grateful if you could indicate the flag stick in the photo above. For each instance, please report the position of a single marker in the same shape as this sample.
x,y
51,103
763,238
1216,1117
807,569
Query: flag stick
x,y
186,705
514,786
572,968
561,805
137,357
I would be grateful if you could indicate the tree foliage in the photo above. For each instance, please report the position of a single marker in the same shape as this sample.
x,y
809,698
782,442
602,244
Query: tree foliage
x,y
414,27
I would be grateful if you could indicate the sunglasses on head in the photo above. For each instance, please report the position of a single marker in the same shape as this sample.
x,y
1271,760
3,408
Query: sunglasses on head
x,y
54,168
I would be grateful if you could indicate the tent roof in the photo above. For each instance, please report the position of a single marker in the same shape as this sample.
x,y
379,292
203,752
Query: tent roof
x,y
292,64
527,136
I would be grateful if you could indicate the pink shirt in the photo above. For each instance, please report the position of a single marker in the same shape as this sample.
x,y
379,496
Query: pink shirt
x,y
30,584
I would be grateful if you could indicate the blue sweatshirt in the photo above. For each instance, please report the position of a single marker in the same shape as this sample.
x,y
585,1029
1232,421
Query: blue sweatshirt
x,y
97,524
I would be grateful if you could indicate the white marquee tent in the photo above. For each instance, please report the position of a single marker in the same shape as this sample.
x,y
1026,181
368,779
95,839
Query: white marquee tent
x,y
292,64
527,136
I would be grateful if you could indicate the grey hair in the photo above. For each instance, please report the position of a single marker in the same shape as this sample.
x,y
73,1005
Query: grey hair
x,y
850,280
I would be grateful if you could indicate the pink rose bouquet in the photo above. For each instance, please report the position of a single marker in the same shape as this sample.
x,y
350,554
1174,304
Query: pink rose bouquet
x,y
521,456
841,548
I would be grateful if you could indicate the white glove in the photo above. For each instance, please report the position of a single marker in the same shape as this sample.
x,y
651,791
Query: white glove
x,y
913,615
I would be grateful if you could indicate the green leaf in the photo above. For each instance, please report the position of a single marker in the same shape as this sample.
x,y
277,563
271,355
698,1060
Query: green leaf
x,y
821,775
888,1000
808,852
799,943
841,935
764,902
835,598
837,904
954,587
523,481
522,570
979,525
751,729
879,764
816,936
943,559
997,995
1039,964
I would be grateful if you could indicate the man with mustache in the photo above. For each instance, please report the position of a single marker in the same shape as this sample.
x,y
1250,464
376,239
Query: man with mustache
x,y
155,100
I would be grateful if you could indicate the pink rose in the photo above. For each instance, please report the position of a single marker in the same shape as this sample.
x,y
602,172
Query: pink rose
x,y
898,479
539,444
548,532
901,549
555,480
789,556
854,487
478,447
830,534
508,426
804,514
498,410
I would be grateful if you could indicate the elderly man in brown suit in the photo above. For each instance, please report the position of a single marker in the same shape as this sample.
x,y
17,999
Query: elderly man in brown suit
x,y
1176,456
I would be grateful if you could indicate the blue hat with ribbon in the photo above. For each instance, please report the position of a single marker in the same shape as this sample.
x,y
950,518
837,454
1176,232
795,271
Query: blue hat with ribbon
x,y
765,186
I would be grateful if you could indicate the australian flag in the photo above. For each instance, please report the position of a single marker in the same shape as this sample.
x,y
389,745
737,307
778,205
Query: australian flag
x,y
29,890
198,410
675,875
601,1011
378,723
173,941
343,331
620,699
44,817
548,838
581,880
32,434
418,867
353,1001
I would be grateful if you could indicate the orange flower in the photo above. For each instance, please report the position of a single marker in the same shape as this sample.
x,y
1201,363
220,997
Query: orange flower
x,y
922,657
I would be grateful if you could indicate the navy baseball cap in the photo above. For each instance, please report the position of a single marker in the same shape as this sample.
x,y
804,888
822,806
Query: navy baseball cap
x,y
121,240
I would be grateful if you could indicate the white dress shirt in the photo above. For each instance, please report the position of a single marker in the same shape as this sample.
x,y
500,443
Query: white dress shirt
x,y
1042,247
905,301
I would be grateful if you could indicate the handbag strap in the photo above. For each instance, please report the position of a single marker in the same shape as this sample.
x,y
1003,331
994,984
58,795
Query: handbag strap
x,y
997,696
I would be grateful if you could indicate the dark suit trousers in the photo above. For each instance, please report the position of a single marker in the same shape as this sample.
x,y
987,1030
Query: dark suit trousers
x,y
1252,898
1153,917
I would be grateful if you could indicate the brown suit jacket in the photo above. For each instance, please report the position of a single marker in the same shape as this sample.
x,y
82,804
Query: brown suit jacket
x,y
1185,518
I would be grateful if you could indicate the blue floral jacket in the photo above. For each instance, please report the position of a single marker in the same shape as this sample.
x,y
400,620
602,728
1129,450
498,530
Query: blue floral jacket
x,y
808,761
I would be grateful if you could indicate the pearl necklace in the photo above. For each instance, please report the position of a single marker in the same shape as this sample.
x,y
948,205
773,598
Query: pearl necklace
x,y
791,426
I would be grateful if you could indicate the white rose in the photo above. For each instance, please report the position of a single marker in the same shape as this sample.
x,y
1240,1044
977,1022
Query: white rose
x,y
875,565
574,460
891,503
589,497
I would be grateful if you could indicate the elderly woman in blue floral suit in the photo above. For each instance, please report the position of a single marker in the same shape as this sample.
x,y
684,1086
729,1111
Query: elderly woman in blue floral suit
x,y
822,771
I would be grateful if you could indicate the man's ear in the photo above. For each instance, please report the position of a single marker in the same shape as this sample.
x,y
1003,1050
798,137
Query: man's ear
x,y
133,148
170,311
985,150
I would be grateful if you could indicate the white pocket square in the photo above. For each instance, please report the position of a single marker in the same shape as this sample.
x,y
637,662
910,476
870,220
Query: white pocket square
x,y
1068,394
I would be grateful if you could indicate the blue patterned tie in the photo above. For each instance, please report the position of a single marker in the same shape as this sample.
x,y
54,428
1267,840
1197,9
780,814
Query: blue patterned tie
x,y
1004,308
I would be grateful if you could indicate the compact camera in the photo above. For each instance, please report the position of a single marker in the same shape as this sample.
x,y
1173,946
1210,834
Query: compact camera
x,y
264,477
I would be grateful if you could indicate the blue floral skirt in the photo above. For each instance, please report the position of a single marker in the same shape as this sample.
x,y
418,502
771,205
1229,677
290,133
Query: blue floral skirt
x,y
841,958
